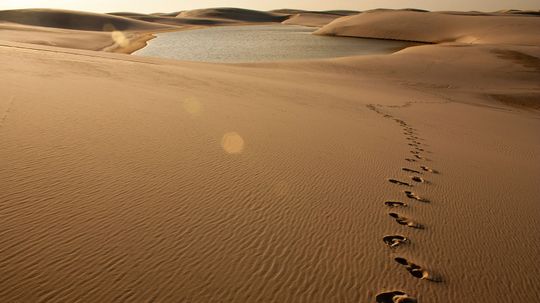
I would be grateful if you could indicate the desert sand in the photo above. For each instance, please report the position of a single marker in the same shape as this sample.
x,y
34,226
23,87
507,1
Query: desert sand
x,y
412,175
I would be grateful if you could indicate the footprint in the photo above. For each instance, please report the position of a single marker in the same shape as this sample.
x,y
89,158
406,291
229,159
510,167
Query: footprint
x,y
420,157
416,270
411,160
394,240
395,204
414,196
395,296
405,221
415,152
418,179
425,168
410,170
399,182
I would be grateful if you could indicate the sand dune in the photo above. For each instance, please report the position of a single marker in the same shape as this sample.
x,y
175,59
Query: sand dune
x,y
176,21
311,19
236,14
362,179
75,20
407,25
288,11
80,30
127,178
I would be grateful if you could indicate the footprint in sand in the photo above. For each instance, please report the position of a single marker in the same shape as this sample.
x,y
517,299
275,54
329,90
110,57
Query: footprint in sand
x,y
394,240
425,168
395,296
414,196
415,152
418,179
410,170
395,204
417,271
420,157
405,221
410,160
399,182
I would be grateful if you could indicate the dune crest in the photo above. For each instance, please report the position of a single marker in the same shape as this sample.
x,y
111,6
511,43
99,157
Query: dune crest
x,y
75,20
411,26
237,14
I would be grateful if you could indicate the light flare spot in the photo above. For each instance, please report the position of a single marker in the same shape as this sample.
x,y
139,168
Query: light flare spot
x,y
232,143
193,106
120,38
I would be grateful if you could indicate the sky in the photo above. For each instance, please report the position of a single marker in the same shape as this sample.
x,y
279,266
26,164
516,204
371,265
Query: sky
x,y
150,6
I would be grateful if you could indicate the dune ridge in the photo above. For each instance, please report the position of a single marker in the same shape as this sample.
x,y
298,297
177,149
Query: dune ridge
x,y
237,14
79,30
411,26
313,19
75,20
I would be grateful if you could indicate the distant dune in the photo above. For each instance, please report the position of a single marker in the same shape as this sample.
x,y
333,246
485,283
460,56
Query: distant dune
x,y
173,20
311,19
80,30
434,27
289,11
237,14
75,20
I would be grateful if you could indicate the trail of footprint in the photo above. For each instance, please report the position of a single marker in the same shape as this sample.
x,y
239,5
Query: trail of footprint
x,y
406,221
414,196
395,204
410,170
399,182
417,271
395,296
394,240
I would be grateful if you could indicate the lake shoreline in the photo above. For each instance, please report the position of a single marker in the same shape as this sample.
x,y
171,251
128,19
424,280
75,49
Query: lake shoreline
x,y
262,43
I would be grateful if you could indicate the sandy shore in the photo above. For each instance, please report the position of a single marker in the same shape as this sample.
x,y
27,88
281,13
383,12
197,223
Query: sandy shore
x,y
136,179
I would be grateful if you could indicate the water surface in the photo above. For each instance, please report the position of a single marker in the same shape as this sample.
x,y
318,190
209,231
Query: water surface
x,y
255,43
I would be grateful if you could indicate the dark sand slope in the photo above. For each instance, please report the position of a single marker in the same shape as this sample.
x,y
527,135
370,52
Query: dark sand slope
x,y
236,14
75,20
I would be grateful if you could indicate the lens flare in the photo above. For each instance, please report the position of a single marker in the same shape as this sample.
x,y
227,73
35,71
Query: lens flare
x,y
232,143
193,106
120,38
